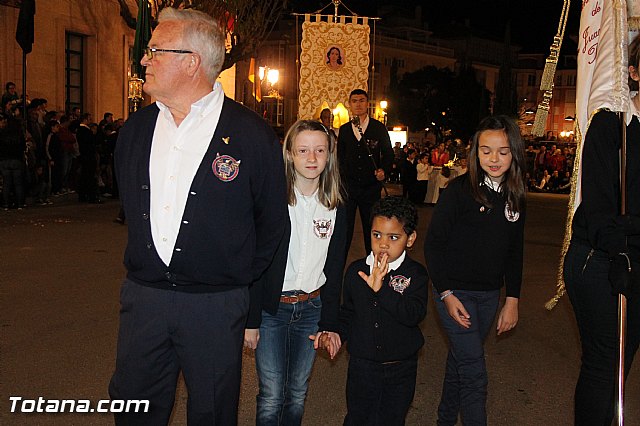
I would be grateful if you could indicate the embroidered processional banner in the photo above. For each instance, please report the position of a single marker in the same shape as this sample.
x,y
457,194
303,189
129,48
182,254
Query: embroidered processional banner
x,y
334,60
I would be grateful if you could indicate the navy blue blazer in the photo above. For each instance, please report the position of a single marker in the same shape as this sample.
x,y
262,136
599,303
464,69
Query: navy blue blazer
x,y
236,212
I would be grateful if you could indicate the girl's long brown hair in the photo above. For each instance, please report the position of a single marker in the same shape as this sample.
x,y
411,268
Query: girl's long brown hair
x,y
513,182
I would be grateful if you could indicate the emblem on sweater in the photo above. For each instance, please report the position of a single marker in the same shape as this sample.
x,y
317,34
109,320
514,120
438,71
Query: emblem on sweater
x,y
399,283
226,140
225,167
510,215
322,228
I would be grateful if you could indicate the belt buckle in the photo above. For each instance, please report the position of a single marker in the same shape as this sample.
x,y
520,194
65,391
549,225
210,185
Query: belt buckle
x,y
297,298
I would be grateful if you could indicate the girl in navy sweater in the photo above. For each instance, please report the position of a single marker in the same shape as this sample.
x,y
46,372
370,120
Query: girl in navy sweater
x,y
473,247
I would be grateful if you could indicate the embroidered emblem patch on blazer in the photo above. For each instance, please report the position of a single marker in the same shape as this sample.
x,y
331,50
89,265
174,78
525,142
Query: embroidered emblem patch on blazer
x,y
399,283
510,215
322,228
225,167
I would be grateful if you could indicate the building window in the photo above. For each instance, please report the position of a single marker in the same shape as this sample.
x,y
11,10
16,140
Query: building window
x,y
400,63
531,80
571,80
559,80
74,70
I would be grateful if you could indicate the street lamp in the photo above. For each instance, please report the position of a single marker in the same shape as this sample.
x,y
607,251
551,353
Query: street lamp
x,y
273,75
383,107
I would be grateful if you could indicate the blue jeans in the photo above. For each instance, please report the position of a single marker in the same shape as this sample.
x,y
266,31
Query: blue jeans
x,y
464,390
284,358
596,309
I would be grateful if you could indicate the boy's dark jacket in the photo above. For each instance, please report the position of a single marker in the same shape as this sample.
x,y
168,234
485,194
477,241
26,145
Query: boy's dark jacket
x,y
384,326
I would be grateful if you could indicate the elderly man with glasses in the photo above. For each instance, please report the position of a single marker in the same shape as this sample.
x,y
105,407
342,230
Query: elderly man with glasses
x,y
203,189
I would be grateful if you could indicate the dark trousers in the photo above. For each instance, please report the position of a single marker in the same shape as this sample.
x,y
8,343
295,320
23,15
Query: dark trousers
x,y
13,180
596,309
464,390
88,184
163,332
379,394
361,198
419,192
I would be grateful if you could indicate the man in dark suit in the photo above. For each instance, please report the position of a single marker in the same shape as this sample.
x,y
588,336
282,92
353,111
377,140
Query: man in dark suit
x,y
203,189
365,156
87,145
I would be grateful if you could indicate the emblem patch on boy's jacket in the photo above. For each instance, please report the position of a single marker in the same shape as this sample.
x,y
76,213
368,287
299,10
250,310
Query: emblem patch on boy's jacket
x,y
510,215
399,283
322,228
225,167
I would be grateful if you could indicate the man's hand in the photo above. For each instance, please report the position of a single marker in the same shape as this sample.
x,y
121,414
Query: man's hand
x,y
380,174
251,337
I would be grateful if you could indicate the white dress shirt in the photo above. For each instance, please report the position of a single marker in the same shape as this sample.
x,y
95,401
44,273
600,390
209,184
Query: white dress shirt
x,y
176,154
312,226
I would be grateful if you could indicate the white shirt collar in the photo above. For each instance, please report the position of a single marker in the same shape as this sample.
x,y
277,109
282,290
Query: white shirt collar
x,y
202,106
392,266
492,184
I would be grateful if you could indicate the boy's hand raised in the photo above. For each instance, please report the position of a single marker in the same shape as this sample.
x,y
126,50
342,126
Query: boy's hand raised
x,y
379,270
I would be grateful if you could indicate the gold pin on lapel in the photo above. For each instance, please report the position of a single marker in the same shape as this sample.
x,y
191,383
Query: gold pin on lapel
x,y
226,140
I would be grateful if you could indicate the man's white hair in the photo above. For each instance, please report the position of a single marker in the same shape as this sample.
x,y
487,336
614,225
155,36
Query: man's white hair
x,y
202,35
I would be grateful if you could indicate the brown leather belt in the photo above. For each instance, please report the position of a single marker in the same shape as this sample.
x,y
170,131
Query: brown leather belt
x,y
300,297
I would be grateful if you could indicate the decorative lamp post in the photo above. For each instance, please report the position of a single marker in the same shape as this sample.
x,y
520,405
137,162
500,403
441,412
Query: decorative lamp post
x,y
135,92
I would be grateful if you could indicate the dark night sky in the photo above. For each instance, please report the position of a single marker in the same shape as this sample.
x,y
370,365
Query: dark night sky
x,y
533,24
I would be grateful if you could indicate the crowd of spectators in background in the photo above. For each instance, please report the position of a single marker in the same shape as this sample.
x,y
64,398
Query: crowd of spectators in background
x,y
53,153
549,167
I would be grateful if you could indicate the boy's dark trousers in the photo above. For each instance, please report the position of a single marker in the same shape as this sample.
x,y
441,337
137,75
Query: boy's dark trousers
x,y
379,393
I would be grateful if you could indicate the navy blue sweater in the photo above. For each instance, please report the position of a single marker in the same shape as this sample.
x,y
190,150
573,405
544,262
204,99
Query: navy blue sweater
x,y
384,326
474,247
230,229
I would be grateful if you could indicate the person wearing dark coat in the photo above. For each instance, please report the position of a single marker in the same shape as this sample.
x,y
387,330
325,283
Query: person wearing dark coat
x,y
202,185
366,158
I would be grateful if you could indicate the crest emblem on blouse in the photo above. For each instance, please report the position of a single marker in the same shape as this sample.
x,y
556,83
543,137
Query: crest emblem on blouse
x,y
225,167
399,283
509,214
322,228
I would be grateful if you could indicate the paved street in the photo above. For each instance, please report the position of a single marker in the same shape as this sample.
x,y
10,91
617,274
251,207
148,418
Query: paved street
x,y
60,273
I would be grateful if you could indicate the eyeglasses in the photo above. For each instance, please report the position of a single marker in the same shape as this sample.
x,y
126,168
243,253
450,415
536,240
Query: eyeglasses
x,y
149,51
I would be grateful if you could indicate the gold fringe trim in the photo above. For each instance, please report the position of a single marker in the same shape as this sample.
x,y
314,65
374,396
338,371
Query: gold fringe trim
x,y
560,288
634,23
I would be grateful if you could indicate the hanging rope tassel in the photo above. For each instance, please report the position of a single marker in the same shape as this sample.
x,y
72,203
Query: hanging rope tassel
x,y
546,83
